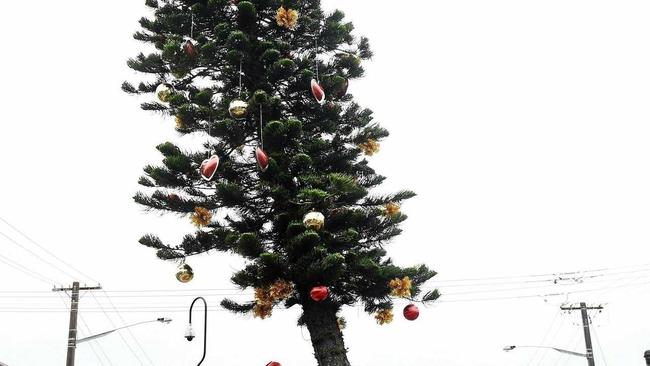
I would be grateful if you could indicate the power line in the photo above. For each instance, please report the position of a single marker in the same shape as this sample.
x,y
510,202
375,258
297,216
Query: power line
x,y
129,330
602,353
46,250
13,241
93,343
19,267
119,333
544,275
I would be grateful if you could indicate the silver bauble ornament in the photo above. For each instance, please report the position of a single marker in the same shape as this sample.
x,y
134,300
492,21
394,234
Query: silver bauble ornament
x,y
314,220
238,109
164,92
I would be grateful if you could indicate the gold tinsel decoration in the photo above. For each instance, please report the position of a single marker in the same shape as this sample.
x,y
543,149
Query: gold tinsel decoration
x,y
370,147
263,296
287,18
201,217
342,323
384,316
392,209
262,311
179,123
401,287
280,290
266,297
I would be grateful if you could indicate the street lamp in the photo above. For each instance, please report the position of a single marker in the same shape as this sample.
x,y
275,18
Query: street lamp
x,y
160,320
510,348
189,333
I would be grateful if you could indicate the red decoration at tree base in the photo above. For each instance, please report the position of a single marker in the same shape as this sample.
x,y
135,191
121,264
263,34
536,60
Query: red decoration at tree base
x,y
411,312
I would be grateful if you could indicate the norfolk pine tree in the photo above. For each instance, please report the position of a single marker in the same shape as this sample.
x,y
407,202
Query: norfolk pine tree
x,y
316,157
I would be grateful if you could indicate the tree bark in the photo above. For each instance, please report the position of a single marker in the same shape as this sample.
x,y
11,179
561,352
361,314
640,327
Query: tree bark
x,y
326,337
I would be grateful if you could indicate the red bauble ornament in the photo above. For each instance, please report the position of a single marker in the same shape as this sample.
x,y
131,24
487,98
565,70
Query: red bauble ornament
x,y
273,363
319,293
262,159
209,167
317,91
189,48
411,312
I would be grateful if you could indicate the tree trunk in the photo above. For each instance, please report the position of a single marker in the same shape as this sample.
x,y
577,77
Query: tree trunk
x,y
326,337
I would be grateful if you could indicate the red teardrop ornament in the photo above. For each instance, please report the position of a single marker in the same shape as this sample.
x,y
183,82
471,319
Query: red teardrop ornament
x,y
411,312
209,167
189,48
273,363
262,159
317,91
319,293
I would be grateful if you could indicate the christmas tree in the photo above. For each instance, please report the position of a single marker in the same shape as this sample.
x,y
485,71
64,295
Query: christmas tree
x,y
281,178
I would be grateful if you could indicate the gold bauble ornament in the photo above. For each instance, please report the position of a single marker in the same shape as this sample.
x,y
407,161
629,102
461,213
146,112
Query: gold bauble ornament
x,y
237,109
314,220
185,273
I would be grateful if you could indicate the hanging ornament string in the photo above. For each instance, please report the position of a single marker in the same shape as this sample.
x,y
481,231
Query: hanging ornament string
x,y
261,129
316,61
192,27
241,72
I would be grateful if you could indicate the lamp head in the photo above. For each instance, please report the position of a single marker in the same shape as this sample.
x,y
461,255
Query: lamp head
x,y
189,333
509,348
164,320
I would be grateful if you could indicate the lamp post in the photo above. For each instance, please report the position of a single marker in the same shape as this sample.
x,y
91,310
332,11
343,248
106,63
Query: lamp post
x,y
510,348
93,337
189,333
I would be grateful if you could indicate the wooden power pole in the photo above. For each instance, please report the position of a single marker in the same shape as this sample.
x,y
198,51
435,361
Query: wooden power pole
x,y
74,311
585,323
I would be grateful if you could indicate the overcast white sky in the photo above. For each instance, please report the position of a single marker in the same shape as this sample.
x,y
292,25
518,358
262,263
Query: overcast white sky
x,y
523,126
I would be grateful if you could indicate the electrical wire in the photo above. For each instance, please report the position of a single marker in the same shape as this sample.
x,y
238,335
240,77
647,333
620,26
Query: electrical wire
x,y
19,267
549,341
550,328
46,250
16,243
128,330
600,348
545,275
118,333
95,343
92,346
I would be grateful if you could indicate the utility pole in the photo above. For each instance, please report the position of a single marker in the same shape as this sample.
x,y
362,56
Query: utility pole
x,y
585,323
74,311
